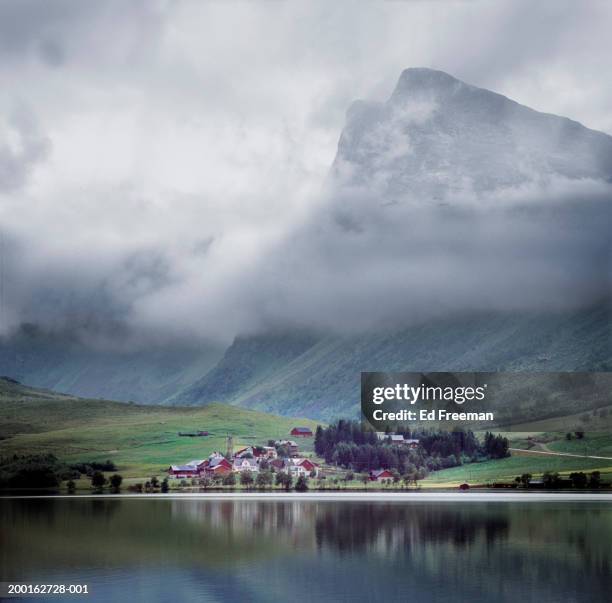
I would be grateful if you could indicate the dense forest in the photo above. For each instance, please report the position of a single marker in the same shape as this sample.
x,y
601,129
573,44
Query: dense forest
x,y
351,445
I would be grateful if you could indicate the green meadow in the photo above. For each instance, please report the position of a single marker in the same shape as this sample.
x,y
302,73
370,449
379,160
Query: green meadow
x,y
505,470
140,440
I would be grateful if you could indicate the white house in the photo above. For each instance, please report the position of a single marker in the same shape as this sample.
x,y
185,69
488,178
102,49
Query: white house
x,y
244,464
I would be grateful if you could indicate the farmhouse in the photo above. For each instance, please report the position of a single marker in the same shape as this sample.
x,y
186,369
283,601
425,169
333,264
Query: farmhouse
x,y
200,465
183,471
290,444
381,475
218,465
244,453
270,452
245,464
397,439
296,467
301,432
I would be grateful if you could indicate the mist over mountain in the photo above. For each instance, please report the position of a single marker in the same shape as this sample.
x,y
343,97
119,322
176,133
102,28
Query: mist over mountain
x,y
437,136
458,230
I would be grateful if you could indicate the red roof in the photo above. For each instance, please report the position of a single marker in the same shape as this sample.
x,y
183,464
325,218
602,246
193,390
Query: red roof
x,y
301,431
381,473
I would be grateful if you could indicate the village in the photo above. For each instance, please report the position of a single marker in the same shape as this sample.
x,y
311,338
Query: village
x,y
281,456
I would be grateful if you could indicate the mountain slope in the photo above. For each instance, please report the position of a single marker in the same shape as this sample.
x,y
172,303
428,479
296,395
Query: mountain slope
x,y
324,380
59,361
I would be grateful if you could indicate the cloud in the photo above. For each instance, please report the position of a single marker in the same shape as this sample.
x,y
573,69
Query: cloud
x,y
166,166
23,147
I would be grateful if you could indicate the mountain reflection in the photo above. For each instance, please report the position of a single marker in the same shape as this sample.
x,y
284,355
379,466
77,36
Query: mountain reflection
x,y
428,550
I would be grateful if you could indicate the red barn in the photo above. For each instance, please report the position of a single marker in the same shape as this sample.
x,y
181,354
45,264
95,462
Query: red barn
x,y
301,432
183,471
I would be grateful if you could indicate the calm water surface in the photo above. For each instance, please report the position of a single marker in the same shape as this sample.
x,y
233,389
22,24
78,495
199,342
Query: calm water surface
x,y
203,550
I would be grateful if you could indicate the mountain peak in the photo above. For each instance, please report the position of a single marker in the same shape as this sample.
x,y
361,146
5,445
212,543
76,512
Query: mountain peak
x,y
437,135
423,78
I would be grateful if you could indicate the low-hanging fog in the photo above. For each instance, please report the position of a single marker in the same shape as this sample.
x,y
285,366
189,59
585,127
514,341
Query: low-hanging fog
x,y
165,167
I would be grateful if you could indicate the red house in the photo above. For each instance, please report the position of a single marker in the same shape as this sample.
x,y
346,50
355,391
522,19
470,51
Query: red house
x,y
301,432
381,475
308,465
218,465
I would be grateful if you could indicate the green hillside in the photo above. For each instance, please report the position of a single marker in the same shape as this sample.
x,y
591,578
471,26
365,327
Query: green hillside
x,y
324,380
139,439
61,362
305,374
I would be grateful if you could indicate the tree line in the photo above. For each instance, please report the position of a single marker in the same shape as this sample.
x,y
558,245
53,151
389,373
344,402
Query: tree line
x,y
354,446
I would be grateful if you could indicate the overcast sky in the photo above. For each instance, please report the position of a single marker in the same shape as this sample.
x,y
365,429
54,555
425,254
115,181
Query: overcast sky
x,y
150,150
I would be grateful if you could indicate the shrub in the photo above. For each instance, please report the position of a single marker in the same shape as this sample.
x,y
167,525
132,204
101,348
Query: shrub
x,y
98,480
264,479
301,485
229,480
285,480
246,479
115,483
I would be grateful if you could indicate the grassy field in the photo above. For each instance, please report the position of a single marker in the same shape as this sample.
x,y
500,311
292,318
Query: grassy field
x,y
598,444
140,440
507,469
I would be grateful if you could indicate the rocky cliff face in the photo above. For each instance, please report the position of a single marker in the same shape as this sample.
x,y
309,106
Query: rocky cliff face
x,y
437,136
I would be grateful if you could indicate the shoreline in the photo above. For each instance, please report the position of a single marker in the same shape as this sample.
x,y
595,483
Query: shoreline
x,y
350,497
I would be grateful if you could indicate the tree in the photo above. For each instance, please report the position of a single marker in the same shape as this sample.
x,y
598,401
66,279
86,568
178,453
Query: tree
x,y
525,479
578,479
71,487
154,482
579,434
319,441
551,480
264,479
206,482
365,478
349,477
115,483
283,451
98,480
496,447
284,479
229,480
595,481
165,486
568,436
301,485
246,479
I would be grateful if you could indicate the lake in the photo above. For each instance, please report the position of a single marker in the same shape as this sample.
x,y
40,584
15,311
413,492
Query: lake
x,y
172,549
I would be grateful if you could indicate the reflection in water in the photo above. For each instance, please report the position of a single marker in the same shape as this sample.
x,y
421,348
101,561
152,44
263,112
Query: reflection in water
x,y
157,550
